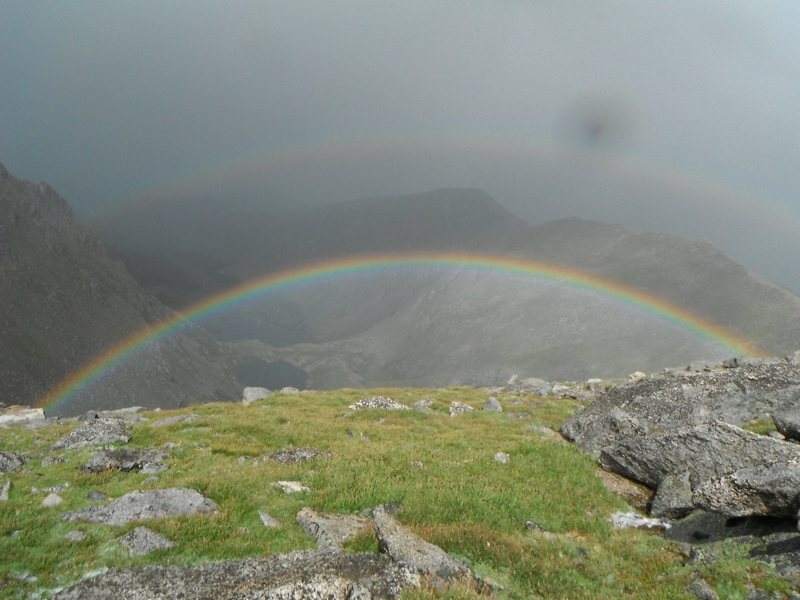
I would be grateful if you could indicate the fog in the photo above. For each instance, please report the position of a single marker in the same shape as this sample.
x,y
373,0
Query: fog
x,y
678,117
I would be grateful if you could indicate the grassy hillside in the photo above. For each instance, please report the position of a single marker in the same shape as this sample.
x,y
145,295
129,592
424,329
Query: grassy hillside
x,y
441,469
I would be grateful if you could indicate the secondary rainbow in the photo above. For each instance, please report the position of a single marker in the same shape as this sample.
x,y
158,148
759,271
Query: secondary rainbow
x,y
111,358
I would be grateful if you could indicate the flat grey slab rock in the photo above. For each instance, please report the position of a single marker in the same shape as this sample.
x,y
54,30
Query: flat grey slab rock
x,y
175,420
143,541
124,459
707,451
153,504
330,575
96,432
406,548
10,462
332,530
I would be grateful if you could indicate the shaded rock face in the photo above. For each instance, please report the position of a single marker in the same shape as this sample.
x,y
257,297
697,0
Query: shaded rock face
x,y
95,432
64,300
155,504
678,432
329,575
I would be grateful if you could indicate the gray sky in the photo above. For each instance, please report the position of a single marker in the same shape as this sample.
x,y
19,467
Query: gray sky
x,y
679,116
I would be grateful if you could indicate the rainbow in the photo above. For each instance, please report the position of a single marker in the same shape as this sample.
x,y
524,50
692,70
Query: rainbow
x,y
114,356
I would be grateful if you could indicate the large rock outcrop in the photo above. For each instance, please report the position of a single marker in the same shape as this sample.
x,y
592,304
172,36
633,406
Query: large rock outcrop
x,y
679,433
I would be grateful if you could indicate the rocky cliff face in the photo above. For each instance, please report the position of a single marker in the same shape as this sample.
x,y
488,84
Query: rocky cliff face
x,y
64,300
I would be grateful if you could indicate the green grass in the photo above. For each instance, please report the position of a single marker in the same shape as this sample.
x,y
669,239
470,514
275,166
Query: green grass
x,y
461,499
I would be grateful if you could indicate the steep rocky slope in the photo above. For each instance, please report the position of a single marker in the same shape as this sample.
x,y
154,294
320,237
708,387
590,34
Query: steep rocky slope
x,y
64,300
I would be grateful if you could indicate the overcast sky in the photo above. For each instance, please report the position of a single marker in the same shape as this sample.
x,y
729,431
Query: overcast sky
x,y
681,116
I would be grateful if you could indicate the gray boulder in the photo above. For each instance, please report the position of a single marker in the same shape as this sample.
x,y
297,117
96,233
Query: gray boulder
x,y
332,530
251,394
492,404
329,575
153,504
96,432
10,462
706,451
123,459
759,490
406,548
143,541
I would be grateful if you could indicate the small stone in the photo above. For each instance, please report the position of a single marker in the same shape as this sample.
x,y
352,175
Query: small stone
x,y
153,468
533,526
241,460
5,490
291,487
75,536
95,495
701,590
459,408
291,391
57,489
492,405
417,465
52,500
268,521
143,541
502,458
52,460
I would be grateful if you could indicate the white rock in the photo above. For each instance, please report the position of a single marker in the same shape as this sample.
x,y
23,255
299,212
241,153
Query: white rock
x,y
21,414
5,490
291,487
636,376
52,500
629,520
502,458
251,394
268,521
